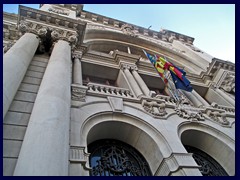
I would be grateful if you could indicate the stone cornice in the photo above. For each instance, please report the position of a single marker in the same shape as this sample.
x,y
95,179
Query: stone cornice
x,y
164,35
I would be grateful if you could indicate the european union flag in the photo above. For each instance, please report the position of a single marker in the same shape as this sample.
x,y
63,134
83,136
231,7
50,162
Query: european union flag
x,y
183,83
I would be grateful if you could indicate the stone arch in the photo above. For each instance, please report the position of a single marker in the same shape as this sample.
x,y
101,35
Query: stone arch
x,y
210,140
129,129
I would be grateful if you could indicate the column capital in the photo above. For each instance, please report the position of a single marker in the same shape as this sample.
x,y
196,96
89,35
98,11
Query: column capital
x,y
69,36
31,27
131,67
77,55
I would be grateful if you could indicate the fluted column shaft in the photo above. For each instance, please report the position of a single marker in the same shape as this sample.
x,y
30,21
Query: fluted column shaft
x,y
132,82
193,99
141,83
225,96
45,146
200,98
15,64
77,71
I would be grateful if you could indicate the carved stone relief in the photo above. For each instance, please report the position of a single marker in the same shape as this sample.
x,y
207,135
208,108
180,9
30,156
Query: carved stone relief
x,y
157,109
79,92
58,11
31,27
128,30
228,84
189,112
217,116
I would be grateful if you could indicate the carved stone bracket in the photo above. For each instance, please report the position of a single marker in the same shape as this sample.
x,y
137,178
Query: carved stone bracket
x,y
79,92
128,30
155,108
78,155
189,112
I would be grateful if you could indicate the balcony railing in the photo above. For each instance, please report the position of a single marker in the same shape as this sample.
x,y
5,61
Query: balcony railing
x,y
101,89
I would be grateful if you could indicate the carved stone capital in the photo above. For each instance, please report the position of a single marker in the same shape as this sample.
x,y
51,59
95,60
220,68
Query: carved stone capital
x,y
79,92
31,27
131,67
77,55
71,37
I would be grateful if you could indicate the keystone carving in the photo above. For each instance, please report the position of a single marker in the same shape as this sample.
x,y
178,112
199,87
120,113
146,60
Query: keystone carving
x,y
155,108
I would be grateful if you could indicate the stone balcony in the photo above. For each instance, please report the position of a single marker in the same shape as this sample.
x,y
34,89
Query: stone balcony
x,y
105,90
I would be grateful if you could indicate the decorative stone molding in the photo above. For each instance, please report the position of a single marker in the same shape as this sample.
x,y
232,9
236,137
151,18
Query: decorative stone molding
x,y
58,11
78,155
175,162
218,116
189,112
128,30
228,83
155,108
78,92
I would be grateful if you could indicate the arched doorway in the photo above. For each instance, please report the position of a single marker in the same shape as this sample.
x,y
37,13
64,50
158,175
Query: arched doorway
x,y
111,157
210,143
208,166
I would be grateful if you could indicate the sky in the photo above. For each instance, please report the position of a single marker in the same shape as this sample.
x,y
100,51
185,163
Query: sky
x,y
211,25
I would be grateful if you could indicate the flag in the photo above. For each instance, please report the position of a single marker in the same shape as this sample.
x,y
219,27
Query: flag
x,y
158,65
178,75
181,84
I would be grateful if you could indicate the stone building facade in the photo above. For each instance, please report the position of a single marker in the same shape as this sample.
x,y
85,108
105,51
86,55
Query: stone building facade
x,y
80,98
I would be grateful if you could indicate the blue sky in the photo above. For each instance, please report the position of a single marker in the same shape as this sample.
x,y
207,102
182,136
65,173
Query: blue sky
x,y
212,25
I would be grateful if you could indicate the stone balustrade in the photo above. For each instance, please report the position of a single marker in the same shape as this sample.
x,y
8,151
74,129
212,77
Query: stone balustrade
x,y
109,90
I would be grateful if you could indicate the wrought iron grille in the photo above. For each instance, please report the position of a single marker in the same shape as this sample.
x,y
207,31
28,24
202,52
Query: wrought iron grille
x,y
209,167
115,158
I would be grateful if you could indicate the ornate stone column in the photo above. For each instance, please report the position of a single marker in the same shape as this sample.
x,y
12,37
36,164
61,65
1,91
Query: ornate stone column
x,y
45,149
140,82
200,98
225,96
77,69
192,98
17,60
213,95
132,81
